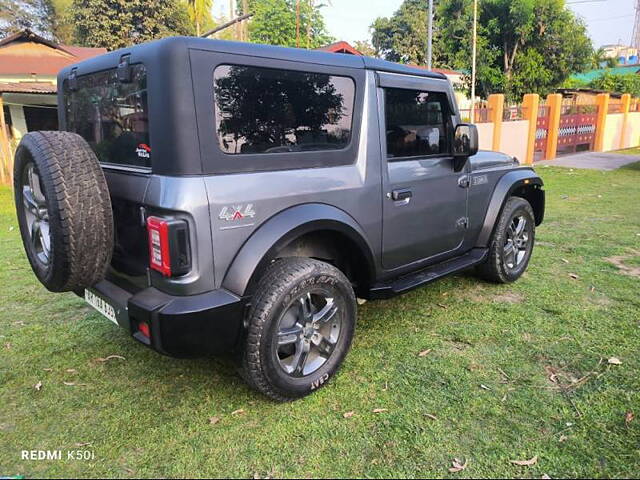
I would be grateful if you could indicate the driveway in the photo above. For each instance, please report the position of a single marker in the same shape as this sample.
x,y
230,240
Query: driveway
x,y
591,160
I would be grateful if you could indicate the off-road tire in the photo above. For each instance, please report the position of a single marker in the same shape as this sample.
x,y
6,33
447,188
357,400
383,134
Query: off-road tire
x,y
495,269
283,282
80,218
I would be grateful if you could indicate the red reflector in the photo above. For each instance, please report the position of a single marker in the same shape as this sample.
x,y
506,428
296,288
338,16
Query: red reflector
x,y
144,329
159,257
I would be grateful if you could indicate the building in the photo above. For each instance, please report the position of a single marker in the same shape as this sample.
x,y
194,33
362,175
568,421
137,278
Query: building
x,y
590,75
623,54
28,68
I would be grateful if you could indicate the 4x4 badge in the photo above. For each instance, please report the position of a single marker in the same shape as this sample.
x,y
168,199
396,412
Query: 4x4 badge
x,y
237,212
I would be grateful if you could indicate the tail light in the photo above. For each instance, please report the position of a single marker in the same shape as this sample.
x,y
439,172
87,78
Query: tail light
x,y
169,251
143,328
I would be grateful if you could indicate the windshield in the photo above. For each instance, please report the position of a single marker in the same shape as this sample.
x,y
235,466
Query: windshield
x,y
111,116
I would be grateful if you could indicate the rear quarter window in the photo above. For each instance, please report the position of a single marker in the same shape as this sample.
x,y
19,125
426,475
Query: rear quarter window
x,y
111,116
269,111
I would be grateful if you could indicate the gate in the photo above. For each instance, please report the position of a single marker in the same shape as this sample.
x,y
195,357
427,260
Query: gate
x,y
542,132
577,130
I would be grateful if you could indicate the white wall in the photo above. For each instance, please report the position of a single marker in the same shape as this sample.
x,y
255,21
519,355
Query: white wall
x,y
485,134
632,133
18,122
612,132
513,139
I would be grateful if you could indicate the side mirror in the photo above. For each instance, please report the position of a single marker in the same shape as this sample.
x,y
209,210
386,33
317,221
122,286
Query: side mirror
x,y
465,144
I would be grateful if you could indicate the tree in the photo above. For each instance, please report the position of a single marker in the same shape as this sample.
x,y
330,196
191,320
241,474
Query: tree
x,y
600,59
365,48
524,46
619,83
200,15
403,36
119,23
274,23
35,15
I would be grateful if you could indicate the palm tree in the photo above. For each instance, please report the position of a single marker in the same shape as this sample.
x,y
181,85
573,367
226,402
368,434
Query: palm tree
x,y
600,59
200,13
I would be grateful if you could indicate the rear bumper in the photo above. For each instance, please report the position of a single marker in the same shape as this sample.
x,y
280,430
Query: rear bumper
x,y
180,326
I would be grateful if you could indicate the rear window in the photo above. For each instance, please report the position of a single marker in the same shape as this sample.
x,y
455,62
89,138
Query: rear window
x,y
112,116
265,110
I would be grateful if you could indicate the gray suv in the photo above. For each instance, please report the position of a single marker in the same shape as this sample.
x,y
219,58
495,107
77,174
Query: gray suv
x,y
211,196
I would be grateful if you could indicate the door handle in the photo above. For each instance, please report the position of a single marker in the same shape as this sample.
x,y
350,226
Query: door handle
x,y
399,195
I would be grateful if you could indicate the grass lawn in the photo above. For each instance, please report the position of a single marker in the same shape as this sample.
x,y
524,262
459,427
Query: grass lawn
x,y
514,372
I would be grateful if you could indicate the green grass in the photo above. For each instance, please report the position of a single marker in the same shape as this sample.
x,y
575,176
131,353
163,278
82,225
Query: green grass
x,y
147,416
629,151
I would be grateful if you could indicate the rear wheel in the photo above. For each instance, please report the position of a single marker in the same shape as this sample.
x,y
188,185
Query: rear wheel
x,y
299,329
511,243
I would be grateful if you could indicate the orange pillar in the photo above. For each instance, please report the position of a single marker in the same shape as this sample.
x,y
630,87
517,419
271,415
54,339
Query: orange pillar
x,y
496,109
530,104
602,101
626,102
554,102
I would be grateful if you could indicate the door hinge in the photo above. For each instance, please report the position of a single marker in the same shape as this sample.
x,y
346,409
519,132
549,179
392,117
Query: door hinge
x,y
462,223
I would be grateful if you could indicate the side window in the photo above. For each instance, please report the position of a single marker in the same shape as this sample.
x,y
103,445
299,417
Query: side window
x,y
264,110
416,123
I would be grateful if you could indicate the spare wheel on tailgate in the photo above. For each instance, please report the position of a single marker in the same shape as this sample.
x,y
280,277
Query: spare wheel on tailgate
x,y
64,210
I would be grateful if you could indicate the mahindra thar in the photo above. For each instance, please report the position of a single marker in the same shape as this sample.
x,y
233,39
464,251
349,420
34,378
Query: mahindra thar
x,y
210,196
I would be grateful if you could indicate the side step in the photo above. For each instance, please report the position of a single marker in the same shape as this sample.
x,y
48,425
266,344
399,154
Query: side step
x,y
434,272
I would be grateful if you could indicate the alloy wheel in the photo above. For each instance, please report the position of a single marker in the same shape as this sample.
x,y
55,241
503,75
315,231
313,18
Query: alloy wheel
x,y
36,215
517,242
308,332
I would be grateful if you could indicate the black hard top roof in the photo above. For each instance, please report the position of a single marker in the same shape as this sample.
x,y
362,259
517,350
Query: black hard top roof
x,y
306,56
257,50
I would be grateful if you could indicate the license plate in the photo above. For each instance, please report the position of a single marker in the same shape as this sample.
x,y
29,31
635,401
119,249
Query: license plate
x,y
100,305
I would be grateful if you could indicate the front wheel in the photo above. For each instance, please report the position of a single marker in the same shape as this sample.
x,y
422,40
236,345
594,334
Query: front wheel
x,y
511,243
299,328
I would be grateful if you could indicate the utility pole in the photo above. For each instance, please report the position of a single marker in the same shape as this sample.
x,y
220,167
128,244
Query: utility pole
x,y
635,38
430,37
473,61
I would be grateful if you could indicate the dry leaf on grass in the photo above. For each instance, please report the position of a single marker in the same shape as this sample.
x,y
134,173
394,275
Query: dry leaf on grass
x,y
110,357
380,410
525,463
213,420
484,387
442,306
628,418
432,417
240,411
83,444
424,353
38,386
48,369
71,370
348,414
457,465
574,276
73,384
564,260
7,346
614,361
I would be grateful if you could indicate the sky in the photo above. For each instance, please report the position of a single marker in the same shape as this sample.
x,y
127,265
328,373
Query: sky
x,y
609,21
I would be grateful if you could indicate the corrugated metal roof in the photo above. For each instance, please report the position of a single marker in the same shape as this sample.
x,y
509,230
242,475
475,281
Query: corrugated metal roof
x,y
40,63
27,87
593,74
